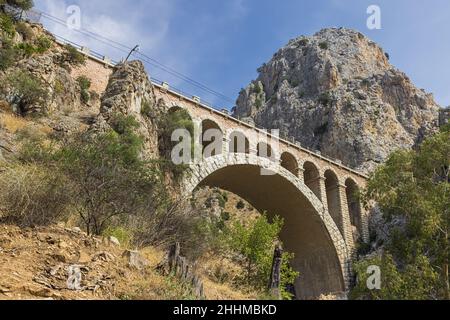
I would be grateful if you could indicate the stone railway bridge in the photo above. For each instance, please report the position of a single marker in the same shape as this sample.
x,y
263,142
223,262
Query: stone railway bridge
x,y
315,195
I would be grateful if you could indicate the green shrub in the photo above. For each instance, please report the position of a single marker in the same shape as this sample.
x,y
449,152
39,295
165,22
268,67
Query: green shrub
x,y
32,195
25,30
43,43
108,178
8,56
20,4
258,103
294,82
303,42
7,25
258,88
85,96
122,234
325,98
222,200
412,186
25,49
256,243
168,123
58,87
73,56
412,282
85,84
27,90
146,108
323,45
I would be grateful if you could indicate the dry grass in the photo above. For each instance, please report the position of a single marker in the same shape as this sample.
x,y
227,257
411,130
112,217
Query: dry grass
x,y
13,123
222,279
5,106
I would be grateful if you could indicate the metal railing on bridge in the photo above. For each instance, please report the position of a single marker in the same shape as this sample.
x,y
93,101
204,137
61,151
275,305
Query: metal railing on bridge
x,y
34,16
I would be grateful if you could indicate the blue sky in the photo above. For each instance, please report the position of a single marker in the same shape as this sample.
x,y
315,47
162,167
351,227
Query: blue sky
x,y
222,43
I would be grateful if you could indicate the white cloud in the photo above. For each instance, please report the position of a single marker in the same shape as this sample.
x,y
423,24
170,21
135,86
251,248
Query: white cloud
x,y
116,20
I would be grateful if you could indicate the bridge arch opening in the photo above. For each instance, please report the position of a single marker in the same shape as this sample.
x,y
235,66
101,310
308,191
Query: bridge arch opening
x,y
289,162
304,233
175,109
333,197
311,176
239,143
354,208
264,150
212,138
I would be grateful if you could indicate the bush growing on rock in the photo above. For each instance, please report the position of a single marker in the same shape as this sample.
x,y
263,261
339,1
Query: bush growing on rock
x,y
19,4
85,84
323,45
8,55
7,25
27,91
73,56
168,123
25,31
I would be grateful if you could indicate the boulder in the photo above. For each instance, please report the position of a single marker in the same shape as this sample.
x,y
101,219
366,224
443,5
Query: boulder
x,y
135,259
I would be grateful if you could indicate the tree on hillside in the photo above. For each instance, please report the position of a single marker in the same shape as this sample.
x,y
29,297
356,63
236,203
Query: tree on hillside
x,y
413,187
19,4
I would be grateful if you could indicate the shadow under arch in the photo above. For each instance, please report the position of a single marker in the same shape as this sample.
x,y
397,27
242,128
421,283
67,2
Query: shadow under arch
x,y
320,253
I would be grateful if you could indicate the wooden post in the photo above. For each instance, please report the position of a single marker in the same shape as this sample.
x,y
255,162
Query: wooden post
x,y
275,277
174,253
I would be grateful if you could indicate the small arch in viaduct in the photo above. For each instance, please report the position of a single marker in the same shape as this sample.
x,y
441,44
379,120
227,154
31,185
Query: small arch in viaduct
x,y
212,138
333,197
264,150
311,176
354,208
290,163
239,143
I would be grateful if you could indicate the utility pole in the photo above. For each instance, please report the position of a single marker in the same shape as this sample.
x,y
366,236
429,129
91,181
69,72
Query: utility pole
x,y
136,48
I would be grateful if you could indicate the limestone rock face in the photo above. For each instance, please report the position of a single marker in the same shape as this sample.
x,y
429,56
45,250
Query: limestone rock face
x,y
130,93
336,92
63,90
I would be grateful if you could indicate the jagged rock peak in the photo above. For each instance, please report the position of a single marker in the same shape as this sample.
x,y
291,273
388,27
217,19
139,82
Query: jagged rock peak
x,y
337,92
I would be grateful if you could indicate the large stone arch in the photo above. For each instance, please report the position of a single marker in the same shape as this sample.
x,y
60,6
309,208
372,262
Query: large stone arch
x,y
310,233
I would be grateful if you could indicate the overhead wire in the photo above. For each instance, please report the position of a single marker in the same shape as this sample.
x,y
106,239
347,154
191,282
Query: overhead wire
x,y
140,55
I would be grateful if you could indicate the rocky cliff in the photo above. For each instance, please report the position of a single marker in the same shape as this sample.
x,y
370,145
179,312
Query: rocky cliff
x,y
130,93
336,92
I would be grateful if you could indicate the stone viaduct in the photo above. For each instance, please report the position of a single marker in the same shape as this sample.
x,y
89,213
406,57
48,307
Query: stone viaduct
x,y
315,195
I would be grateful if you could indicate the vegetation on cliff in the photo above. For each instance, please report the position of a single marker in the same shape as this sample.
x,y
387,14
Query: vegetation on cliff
x,y
413,191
